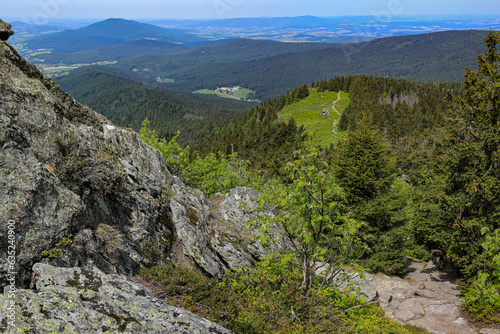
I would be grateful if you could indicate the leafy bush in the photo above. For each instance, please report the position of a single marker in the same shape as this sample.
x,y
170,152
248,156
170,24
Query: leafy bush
x,y
217,173
268,299
177,157
482,299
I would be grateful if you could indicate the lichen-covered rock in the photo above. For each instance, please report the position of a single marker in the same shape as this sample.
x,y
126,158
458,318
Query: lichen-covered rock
x,y
81,191
84,300
67,175
237,209
5,31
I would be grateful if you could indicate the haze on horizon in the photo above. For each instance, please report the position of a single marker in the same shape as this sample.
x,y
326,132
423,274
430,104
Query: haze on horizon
x,y
41,11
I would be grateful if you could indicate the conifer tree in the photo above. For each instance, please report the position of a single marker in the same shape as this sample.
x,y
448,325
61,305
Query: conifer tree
x,y
363,164
472,165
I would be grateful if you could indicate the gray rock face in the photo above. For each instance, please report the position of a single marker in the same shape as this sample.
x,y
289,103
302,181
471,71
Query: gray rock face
x,y
81,191
65,172
215,235
5,31
84,300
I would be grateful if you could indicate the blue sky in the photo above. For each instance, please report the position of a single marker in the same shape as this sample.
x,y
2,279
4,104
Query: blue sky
x,y
188,9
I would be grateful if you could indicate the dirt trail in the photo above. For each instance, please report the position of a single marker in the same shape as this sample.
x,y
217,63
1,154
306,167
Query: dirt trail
x,y
334,103
336,121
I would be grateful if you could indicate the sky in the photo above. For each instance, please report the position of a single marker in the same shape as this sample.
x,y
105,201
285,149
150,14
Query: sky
x,y
42,11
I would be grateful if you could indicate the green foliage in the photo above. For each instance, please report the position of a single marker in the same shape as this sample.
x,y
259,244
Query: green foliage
x,y
471,164
192,291
482,296
57,251
310,213
482,299
363,164
218,173
471,193
260,137
268,299
177,157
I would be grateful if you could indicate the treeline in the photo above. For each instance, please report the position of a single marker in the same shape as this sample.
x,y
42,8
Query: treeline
x,y
396,107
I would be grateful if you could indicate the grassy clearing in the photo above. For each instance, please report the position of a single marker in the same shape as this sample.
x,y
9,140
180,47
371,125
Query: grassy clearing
x,y
57,71
308,113
241,94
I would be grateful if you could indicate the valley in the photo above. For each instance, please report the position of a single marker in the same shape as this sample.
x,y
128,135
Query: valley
x,y
252,175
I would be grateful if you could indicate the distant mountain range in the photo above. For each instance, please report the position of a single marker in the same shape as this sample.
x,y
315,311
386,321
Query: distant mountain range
x,y
426,57
108,32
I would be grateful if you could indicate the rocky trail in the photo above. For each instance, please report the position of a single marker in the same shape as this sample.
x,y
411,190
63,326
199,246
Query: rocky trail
x,y
426,297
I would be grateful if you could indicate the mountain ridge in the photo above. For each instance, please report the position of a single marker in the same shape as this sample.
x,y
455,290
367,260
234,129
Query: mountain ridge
x,y
107,32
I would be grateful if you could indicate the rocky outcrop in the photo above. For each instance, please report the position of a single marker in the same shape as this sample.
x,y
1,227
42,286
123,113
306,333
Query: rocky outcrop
x,y
84,300
215,235
68,175
78,192
5,31
81,191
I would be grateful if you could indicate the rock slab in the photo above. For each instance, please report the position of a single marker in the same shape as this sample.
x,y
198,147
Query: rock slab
x,y
84,300
426,297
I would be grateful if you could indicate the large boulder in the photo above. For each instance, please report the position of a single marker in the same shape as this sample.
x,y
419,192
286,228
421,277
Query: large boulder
x,y
5,31
84,300
215,235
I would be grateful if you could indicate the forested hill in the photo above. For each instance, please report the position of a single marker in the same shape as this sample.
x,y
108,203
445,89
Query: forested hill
x,y
111,52
128,103
237,51
407,113
108,32
428,57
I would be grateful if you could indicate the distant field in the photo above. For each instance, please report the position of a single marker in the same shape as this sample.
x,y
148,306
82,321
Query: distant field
x,y
308,113
240,94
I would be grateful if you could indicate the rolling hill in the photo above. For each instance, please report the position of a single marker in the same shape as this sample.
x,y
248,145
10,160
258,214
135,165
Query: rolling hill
x,y
428,57
128,103
112,52
108,32
235,52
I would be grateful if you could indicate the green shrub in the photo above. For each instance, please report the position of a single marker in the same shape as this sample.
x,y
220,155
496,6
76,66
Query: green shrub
x,y
482,299
268,299
57,251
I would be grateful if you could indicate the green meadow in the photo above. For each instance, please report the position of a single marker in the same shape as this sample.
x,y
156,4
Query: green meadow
x,y
308,113
242,93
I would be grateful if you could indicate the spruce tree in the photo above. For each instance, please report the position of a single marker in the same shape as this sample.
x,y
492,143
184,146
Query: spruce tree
x,y
471,203
363,164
